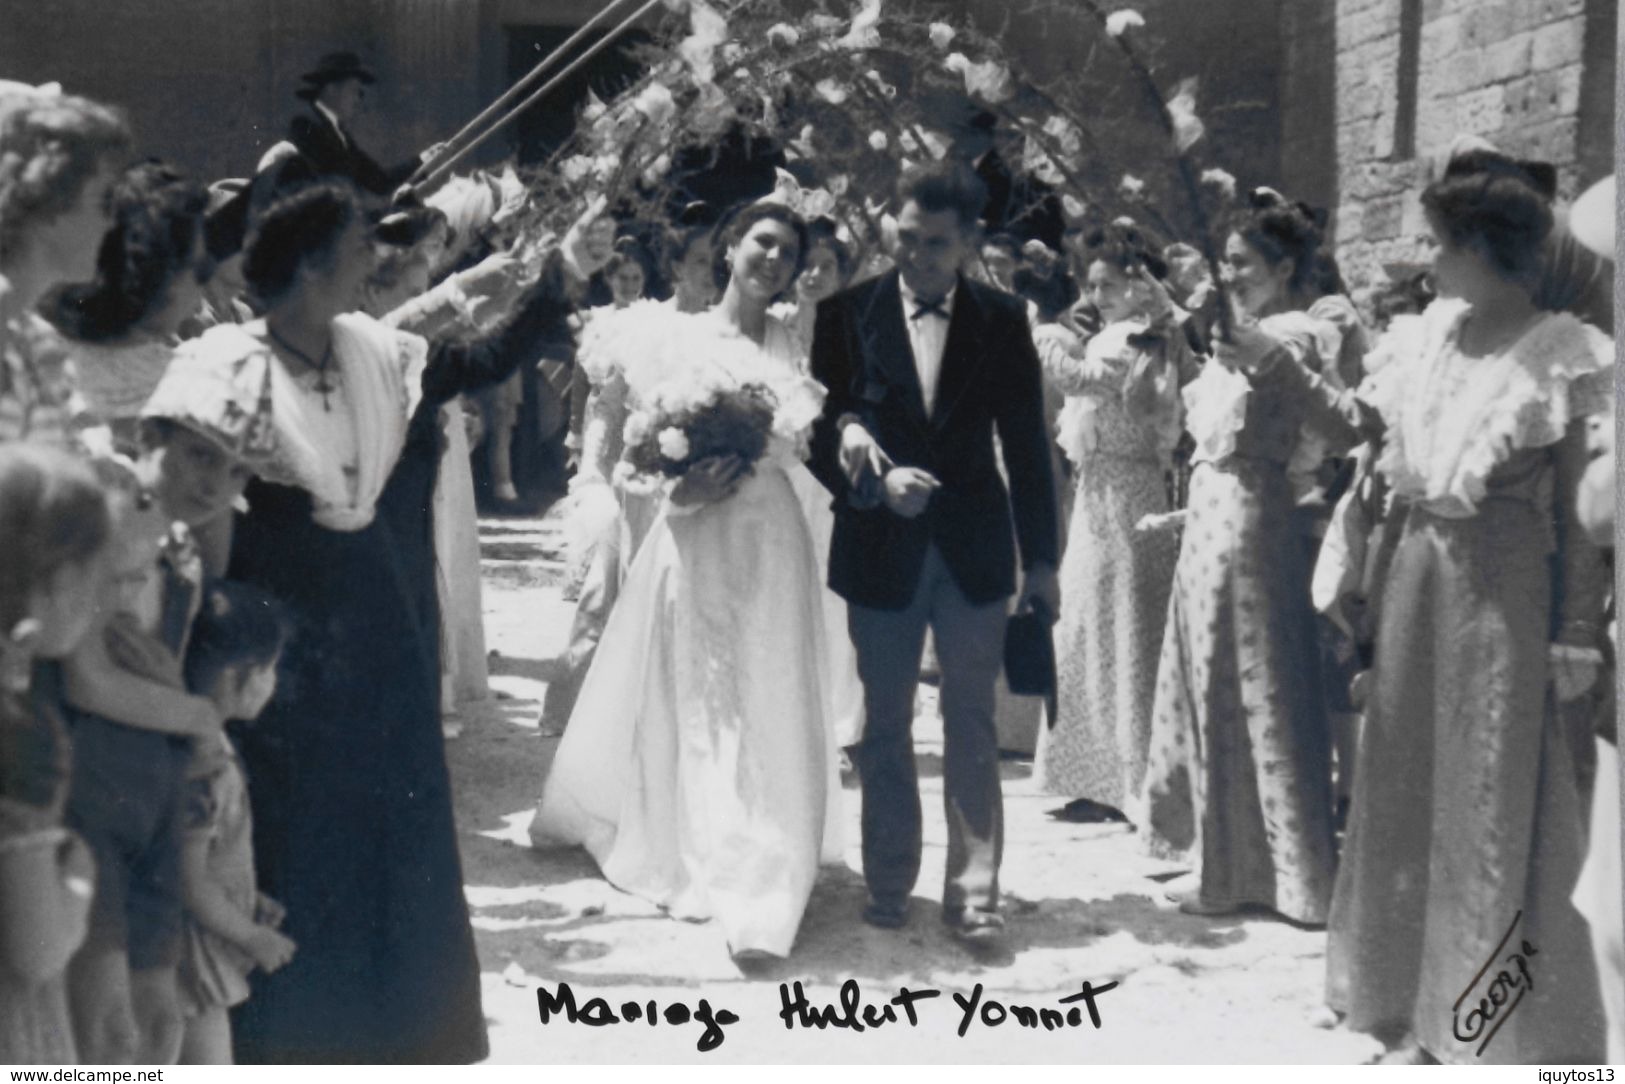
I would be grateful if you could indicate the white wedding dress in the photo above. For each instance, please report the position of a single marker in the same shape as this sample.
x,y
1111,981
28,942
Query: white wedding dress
x,y
698,768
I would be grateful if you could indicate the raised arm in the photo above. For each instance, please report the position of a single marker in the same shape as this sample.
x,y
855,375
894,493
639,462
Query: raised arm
x,y
1024,437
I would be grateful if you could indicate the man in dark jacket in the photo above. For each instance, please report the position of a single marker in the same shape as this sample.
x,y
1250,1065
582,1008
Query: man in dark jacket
x,y
320,143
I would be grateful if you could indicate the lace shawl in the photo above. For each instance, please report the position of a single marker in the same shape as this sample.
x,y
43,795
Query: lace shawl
x,y
1451,419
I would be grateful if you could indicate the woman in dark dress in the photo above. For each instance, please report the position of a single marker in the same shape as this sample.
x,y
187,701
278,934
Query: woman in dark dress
x,y
352,804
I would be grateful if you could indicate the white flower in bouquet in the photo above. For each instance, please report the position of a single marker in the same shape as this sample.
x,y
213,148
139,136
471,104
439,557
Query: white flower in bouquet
x,y
942,34
1121,22
674,444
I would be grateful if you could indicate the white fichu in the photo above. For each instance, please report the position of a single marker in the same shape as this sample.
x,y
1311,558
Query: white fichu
x,y
1119,23
1188,127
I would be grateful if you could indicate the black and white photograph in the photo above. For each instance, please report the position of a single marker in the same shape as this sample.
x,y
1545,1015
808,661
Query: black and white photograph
x,y
698,532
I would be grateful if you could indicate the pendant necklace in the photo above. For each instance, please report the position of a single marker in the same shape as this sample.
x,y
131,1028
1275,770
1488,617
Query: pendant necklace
x,y
323,383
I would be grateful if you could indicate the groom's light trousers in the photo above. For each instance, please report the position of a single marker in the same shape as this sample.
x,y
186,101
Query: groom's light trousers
x,y
970,649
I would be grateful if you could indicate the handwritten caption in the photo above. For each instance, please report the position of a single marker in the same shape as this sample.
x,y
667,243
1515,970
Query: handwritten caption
x,y
850,1011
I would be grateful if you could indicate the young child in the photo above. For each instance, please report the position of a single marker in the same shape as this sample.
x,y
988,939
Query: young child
x,y
131,716
230,928
55,527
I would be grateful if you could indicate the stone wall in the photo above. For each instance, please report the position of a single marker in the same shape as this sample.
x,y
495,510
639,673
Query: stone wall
x,y
1523,74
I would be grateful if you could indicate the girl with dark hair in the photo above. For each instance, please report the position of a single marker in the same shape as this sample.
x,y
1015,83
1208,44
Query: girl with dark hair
x,y
231,928
825,273
1464,840
55,529
698,766
351,799
124,326
691,266
1119,426
1238,775
59,158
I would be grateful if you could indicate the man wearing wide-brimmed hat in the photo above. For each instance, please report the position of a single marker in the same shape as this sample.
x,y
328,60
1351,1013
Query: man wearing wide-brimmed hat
x,y
320,143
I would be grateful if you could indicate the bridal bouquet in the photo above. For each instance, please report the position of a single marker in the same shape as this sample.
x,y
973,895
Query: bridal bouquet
x,y
687,424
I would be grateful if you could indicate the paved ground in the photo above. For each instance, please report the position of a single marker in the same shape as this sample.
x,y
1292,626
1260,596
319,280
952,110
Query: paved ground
x,y
1083,904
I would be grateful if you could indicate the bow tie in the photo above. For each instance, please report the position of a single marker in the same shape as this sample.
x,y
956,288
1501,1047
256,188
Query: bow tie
x,y
924,307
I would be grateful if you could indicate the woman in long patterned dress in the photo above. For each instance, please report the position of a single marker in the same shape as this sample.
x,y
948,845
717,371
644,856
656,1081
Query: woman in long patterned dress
x,y
1465,838
61,161
1119,428
121,328
1239,771
698,767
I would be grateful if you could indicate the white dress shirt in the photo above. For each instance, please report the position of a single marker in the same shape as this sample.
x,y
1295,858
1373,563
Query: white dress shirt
x,y
928,336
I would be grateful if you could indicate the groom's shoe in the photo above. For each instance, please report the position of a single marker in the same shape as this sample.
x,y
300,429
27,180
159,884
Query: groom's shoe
x,y
978,929
886,914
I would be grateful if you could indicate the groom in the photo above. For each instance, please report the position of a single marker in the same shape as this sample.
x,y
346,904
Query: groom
x,y
922,366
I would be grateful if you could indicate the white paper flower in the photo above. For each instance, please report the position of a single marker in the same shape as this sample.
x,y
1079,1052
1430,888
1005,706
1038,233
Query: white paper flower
x,y
907,143
657,169
942,34
831,91
878,140
1120,22
864,32
576,169
593,109
988,79
656,103
887,91
1222,180
1188,127
1131,187
783,34
712,111
708,30
1073,208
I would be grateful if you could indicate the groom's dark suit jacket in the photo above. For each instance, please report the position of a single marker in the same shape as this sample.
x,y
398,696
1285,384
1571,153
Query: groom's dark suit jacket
x,y
990,378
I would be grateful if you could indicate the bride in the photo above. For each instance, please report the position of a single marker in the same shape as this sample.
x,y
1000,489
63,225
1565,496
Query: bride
x,y
698,767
